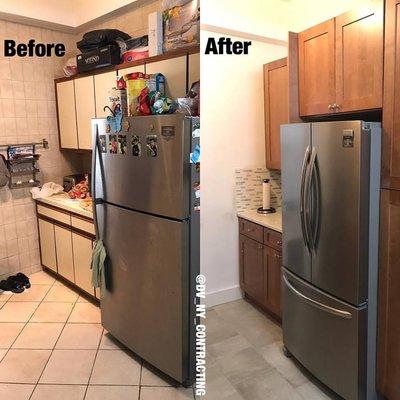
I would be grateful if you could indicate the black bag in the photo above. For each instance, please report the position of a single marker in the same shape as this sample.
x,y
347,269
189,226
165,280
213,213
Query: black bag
x,y
100,38
98,58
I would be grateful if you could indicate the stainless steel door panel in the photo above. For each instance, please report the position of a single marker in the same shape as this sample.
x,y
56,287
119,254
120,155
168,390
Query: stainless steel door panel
x,y
295,139
326,335
340,260
146,306
160,184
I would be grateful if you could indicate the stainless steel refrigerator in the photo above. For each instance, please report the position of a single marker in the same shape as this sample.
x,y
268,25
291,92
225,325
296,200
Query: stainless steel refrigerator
x,y
330,189
145,186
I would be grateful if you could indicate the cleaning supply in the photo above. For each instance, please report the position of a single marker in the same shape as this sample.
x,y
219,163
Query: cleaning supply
x,y
98,265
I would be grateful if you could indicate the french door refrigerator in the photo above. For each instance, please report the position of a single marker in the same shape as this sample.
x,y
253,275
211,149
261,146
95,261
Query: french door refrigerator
x,y
146,193
330,189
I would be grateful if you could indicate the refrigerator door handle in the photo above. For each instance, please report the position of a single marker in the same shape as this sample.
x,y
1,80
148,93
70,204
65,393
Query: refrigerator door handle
x,y
316,190
308,217
93,188
317,304
304,170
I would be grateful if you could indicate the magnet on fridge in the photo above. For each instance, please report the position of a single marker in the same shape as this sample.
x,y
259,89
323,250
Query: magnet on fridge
x,y
196,188
196,133
151,144
103,143
121,144
126,125
113,144
136,146
195,156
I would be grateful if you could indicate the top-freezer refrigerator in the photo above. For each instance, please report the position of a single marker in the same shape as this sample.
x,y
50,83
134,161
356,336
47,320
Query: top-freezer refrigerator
x,y
330,189
145,186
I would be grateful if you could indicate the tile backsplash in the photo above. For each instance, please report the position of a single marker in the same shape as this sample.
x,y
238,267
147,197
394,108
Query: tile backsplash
x,y
249,188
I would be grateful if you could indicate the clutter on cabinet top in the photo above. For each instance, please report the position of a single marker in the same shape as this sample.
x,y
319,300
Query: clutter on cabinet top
x,y
135,49
97,39
155,22
190,105
86,204
47,190
70,68
181,23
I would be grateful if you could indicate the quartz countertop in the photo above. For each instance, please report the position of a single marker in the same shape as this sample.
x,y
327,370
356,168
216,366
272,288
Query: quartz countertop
x,y
271,221
64,202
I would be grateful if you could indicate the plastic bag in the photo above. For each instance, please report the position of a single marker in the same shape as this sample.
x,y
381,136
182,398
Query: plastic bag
x,y
190,105
47,190
70,67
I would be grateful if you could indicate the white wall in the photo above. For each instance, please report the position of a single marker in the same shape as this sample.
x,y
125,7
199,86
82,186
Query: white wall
x,y
232,125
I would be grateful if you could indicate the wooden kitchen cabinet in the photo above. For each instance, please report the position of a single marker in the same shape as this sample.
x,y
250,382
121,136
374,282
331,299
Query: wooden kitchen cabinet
x,y
174,70
341,64
391,98
252,268
47,244
260,266
388,352
316,48
102,84
65,261
276,109
82,251
85,110
67,114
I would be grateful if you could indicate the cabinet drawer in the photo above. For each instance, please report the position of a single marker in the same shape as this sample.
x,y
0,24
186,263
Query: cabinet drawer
x,y
251,230
53,214
83,225
273,239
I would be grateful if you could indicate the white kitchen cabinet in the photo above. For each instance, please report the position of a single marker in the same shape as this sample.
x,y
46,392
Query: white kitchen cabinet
x,y
130,70
82,250
65,260
47,244
67,115
102,84
85,110
174,70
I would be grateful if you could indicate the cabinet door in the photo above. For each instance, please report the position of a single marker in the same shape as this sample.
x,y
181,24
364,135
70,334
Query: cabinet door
x,y
47,244
64,253
359,60
102,84
272,279
276,105
82,247
391,98
67,115
174,70
137,68
317,69
251,268
388,371
194,68
85,110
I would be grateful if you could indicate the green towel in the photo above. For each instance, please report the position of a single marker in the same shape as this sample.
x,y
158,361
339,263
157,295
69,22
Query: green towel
x,y
98,265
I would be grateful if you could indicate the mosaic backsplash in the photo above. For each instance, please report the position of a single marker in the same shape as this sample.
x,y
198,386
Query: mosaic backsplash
x,y
249,188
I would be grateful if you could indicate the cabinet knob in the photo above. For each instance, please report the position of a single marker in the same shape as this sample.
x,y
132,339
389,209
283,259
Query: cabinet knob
x,y
249,230
337,106
330,107
279,243
277,255
260,246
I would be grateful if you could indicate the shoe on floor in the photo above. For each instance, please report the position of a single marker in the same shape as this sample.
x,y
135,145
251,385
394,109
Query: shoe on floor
x,y
23,280
11,285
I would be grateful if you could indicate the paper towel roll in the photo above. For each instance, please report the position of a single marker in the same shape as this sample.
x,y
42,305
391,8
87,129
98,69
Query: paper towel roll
x,y
266,194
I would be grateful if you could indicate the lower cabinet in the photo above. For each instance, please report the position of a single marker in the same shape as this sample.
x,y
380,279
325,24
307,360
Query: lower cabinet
x,y
65,259
67,252
82,250
260,268
47,244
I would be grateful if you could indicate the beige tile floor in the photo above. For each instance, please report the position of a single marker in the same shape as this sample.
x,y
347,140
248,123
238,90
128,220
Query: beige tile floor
x,y
52,346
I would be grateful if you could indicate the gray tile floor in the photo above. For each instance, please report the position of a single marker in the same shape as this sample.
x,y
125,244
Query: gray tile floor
x,y
245,359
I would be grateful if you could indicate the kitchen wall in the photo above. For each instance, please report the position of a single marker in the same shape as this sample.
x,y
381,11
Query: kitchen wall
x,y
28,114
232,125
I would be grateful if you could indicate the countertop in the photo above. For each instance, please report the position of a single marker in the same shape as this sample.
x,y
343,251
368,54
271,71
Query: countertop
x,y
63,201
271,221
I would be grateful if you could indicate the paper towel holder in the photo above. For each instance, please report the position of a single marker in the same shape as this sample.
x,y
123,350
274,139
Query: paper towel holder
x,y
270,210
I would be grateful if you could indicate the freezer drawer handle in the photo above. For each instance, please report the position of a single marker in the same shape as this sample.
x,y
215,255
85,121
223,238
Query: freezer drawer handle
x,y
317,304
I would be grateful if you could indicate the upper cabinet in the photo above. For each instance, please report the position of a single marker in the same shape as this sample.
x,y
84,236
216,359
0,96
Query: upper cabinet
x,y
341,64
276,105
83,97
391,100
317,69
67,115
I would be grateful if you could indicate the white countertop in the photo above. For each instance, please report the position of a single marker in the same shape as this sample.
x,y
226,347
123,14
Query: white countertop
x,y
64,202
271,221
